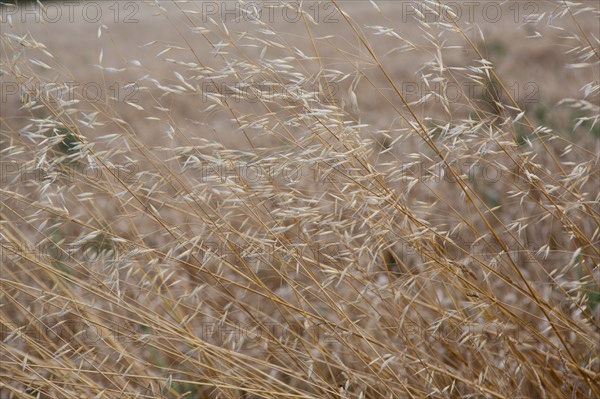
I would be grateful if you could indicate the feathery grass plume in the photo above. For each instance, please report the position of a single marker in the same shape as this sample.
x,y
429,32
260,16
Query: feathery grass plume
x,y
300,200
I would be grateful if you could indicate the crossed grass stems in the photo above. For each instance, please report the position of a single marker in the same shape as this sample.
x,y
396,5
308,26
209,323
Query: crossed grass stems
x,y
367,356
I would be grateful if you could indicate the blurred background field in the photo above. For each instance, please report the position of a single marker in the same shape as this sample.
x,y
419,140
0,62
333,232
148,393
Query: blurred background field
x,y
347,199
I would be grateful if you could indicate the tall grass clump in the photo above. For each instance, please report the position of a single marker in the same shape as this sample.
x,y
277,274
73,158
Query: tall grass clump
x,y
300,200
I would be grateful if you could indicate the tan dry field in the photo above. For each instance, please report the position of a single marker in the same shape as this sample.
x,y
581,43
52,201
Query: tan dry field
x,y
238,200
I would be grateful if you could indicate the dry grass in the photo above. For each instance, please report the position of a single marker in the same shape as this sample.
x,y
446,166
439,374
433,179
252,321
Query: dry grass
x,y
366,202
